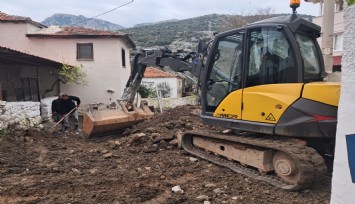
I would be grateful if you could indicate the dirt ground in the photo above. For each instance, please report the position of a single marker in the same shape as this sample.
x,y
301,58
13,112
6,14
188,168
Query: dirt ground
x,y
38,167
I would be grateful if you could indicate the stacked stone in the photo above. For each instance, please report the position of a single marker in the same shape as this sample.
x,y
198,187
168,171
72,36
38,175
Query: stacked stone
x,y
20,115
46,108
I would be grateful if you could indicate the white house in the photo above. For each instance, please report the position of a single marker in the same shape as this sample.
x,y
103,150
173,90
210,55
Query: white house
x,y
103,54
154,76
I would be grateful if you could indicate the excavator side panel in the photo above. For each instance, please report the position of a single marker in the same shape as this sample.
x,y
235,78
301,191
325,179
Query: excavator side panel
x,y
231,106
267,103
324,92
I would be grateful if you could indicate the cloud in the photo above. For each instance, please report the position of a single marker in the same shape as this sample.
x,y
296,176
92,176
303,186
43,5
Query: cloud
x,y
141,11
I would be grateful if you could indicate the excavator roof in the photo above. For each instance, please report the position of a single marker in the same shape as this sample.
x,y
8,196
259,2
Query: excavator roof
x,y
294,22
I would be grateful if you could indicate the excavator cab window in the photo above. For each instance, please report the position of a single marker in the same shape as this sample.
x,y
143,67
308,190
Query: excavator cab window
x,y
271,58
309,52
225,73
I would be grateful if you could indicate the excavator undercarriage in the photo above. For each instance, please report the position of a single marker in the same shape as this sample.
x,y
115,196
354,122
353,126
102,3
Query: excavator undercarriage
x,y
285,163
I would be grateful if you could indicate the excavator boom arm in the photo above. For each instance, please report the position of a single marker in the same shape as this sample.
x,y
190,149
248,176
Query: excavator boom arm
x,y
161,58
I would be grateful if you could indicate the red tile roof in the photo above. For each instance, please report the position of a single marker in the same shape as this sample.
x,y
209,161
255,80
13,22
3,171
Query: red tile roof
x,y
18,19
79,32
337,60
152,72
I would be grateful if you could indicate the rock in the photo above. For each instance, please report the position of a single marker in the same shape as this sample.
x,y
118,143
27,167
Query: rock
x,y
148,168
156,135
206,202
93,171
107,155
104,151
163,144
210,185
40,126
227,131
217,191
193,159
75,170
202,198
141,134
71,151
174,142
177,189
162,177
150,130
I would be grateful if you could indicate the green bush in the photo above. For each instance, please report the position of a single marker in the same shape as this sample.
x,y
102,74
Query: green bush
x,y
146,91
350,2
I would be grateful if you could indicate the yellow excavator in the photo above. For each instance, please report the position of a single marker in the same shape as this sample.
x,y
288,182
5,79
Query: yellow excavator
x,y
263,81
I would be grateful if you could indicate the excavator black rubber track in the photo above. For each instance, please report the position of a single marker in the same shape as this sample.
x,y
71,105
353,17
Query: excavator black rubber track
x,y
310,164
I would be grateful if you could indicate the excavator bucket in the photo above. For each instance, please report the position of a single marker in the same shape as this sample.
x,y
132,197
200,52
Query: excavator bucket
x,y
100,122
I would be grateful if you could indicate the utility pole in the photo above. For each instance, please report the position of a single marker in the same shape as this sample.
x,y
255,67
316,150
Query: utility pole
x,y
327,34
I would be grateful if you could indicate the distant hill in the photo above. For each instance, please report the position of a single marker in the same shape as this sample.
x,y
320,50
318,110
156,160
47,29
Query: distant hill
x,y
80,21
185,34
182,34
153,23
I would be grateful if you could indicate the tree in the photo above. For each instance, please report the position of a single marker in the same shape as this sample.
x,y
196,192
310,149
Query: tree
x,y
245,17
68,74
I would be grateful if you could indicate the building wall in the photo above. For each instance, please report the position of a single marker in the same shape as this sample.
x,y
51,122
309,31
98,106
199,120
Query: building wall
x,y
338,27
174,83
342,185
103,73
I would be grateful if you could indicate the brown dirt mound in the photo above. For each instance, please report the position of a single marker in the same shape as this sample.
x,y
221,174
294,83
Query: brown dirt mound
x,y
141,167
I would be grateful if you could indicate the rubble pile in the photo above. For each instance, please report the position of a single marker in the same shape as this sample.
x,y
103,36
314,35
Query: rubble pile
x,y
144,165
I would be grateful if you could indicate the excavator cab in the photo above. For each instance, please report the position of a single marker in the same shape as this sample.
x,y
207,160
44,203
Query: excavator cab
x,y
255,73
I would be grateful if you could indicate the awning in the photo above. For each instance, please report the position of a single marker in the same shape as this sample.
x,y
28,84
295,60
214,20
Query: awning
x,y
337,60
10,56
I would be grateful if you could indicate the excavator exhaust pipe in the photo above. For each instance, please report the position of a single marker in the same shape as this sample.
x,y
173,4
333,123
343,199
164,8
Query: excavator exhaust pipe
x,y
107,121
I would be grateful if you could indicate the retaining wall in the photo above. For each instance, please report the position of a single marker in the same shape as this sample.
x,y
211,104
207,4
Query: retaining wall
x,y
19,115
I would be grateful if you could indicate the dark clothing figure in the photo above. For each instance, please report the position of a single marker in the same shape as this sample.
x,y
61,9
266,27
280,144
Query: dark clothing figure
x,y
68,104
56,111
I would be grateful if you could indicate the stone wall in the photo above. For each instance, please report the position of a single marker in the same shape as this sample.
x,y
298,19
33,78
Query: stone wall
x,y
46,108
20,115
172,102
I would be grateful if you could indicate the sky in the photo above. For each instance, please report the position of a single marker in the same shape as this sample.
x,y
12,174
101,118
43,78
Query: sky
x,y
144,11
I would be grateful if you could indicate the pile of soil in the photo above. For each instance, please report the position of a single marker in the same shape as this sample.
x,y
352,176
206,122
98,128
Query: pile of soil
x,y
140,166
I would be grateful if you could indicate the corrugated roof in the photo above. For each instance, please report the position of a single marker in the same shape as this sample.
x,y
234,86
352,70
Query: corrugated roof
x,y
18,19
79,32
152,72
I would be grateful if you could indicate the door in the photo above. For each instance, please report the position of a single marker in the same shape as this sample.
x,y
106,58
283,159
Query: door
x,y
224,77
271,77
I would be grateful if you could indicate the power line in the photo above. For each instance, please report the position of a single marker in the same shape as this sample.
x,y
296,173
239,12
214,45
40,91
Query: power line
x,y
120,6
111,10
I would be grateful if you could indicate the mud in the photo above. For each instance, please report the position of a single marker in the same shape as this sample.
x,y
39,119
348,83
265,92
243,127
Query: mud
x,y
140,166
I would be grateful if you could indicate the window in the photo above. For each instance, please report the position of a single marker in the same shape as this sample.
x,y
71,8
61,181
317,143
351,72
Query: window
x,y
309,56
225,74
271,58
123,57
338,42
85,51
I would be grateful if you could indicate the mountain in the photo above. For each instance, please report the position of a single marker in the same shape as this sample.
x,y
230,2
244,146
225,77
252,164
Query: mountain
x,y
182,34
80,21
153,23
185,34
